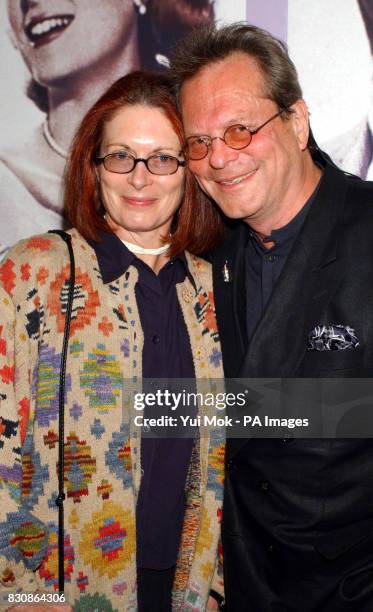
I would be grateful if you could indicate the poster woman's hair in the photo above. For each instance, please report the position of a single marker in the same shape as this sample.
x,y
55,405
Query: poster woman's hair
x,y
163,23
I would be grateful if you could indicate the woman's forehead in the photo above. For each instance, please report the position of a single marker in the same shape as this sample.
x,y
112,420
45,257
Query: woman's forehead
x,y
140,122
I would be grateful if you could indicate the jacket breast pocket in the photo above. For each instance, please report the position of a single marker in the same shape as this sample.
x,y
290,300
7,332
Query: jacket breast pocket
x,y
317,362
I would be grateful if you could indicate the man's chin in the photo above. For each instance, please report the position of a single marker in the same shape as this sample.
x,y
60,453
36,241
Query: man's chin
x,y
232,210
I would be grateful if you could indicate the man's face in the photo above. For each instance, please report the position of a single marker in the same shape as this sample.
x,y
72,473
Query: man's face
x,y
258,182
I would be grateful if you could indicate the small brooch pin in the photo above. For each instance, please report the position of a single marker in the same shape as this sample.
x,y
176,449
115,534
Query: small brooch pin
x,y
226,272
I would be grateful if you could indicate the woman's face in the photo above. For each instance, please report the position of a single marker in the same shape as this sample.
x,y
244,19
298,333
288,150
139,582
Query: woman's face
x,y
139,202
60,38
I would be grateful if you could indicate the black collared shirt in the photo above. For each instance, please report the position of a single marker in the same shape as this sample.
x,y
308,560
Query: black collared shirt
x,y
166,354
264,266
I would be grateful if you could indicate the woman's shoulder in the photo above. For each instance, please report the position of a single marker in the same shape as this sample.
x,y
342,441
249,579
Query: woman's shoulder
x,y
32,249
30,262
46,245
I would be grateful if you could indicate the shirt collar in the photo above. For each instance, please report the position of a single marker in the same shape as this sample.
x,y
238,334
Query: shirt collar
x,y
114,258
288,232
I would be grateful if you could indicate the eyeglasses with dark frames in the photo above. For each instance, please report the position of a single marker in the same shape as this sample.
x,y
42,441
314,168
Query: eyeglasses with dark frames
x,y
123,162
236,136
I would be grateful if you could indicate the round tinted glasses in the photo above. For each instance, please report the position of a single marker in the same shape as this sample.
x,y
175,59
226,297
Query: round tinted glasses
x,y
236,136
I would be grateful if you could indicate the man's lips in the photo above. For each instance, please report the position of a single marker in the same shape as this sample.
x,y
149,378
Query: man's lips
x,y
42,29
235,180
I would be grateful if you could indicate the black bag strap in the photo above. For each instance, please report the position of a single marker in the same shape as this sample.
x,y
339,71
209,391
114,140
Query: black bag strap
x,y
61,410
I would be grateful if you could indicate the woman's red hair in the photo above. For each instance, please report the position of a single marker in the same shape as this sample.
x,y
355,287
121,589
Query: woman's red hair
x,y
198,225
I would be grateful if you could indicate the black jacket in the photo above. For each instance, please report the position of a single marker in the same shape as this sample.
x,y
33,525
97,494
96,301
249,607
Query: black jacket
x,y
298,514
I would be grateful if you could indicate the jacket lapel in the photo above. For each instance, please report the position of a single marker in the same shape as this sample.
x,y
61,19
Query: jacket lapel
x,y
308,281
230,299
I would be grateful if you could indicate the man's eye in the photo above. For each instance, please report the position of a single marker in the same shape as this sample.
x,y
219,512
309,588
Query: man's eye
x,y
201,140
239,129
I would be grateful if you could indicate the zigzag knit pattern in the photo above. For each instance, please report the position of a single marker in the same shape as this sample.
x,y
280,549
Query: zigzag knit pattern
x,y
102,470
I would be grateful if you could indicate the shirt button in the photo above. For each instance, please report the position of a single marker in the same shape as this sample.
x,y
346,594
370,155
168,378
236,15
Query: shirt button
x,y
230,464
271,548
156,339
264,485
287,438
188,296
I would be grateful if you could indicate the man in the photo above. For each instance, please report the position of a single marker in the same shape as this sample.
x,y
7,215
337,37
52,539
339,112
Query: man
x,y
298,513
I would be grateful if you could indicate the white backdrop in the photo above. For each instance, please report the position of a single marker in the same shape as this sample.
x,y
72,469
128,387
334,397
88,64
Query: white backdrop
x,y
328,44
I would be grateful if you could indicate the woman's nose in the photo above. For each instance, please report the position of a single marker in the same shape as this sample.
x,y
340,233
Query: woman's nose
x,y
140,176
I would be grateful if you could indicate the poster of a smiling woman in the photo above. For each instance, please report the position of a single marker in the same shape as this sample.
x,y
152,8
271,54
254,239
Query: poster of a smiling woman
x,y
72,50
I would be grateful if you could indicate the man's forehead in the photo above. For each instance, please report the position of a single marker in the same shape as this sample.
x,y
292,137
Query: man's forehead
x,y
232,76
237,66
224,91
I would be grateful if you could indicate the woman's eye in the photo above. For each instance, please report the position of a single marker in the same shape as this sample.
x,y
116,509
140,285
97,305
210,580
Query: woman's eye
x,y
120,155
163,159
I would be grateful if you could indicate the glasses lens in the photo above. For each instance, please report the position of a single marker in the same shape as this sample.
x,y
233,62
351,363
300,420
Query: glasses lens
x,y
162,164
120,162
197,148
237,136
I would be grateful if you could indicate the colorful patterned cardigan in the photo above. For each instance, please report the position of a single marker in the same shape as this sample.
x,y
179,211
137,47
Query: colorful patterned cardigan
x,y
102,446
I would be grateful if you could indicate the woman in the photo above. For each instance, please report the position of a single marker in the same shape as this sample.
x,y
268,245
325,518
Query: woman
x,y
74,52
142,308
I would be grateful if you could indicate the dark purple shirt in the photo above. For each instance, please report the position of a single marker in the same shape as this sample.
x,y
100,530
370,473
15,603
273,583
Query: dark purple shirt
x,y
167,354
264,266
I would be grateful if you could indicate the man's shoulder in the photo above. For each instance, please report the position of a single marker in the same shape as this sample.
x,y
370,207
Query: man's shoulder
x,y
359,195
354,191
355,210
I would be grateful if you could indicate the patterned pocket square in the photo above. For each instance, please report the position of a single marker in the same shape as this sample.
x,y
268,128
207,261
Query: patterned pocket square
x,y
332,338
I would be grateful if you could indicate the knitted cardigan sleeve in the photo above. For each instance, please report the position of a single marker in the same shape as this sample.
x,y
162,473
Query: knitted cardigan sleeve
x,y
23,538
217,583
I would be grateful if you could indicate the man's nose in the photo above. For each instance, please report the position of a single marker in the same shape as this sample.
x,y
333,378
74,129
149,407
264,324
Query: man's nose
x,y
220,154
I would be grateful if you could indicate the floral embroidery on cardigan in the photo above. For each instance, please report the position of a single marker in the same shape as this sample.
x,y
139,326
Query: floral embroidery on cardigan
x,y
102,470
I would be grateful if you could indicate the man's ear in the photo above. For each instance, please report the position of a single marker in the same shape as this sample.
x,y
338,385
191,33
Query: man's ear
x,y
300,122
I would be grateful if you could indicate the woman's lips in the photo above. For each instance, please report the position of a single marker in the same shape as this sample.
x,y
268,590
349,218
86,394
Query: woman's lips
x,y
41,30
141,202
